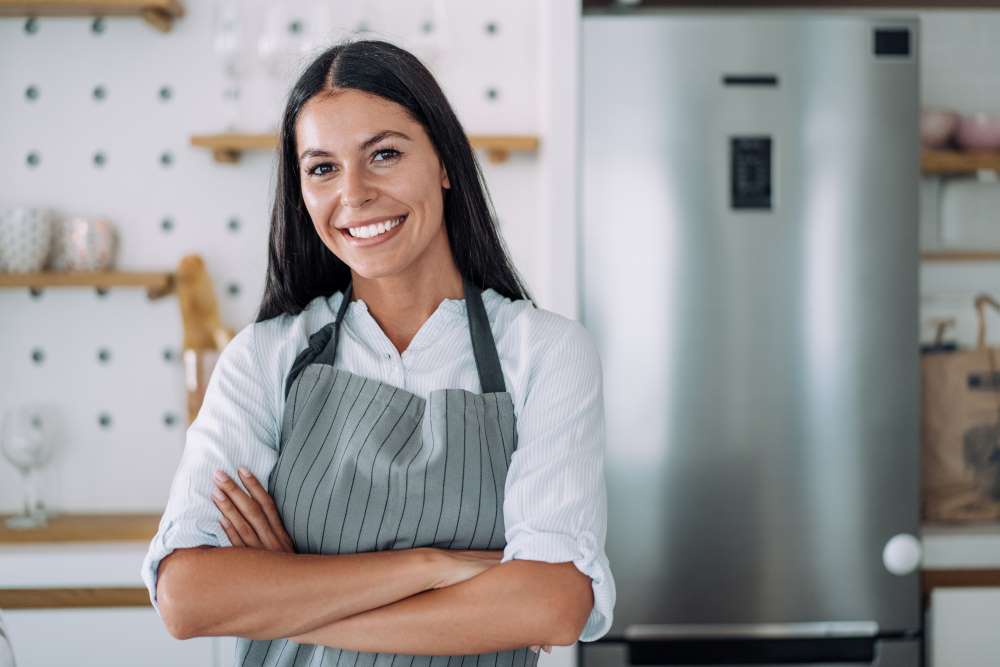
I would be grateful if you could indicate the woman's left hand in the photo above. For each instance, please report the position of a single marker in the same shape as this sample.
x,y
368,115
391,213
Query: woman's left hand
x,y
250,520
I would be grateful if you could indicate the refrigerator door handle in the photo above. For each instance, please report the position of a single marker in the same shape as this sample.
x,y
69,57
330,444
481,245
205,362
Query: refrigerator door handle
x,y
752,630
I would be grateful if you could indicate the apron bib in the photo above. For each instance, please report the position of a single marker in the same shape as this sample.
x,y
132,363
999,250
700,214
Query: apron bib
x,y
355,474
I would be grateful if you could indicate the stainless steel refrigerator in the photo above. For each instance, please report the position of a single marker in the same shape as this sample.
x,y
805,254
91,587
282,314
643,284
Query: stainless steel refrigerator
x,y
749,270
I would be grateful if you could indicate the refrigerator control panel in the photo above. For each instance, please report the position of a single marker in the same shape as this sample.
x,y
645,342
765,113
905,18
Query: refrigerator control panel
x,y
750,172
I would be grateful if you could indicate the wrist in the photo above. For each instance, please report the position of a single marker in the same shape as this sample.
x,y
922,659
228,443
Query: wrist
x,y
431,563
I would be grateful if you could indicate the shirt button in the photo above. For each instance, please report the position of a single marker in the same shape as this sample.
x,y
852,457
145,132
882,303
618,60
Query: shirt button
x,y
388,355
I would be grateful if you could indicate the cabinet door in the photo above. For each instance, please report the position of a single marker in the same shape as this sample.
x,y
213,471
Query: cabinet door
x,y
106,637
963,627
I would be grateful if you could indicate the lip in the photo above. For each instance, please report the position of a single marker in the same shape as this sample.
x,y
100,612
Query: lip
x,y
375,240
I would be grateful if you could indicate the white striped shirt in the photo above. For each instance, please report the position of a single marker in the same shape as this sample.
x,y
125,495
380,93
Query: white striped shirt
x,y
555,499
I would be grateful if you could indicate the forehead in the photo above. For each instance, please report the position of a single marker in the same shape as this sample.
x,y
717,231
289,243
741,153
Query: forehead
x,y
341,121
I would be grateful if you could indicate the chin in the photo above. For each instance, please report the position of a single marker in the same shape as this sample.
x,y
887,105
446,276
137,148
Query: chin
x,y
375,270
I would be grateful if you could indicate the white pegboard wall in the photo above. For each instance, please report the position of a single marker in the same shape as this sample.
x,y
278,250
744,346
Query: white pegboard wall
x,y
167,198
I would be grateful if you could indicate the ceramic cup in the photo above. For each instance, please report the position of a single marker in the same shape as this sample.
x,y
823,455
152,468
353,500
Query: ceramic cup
x,y
25,238
84,244
937,126
979,131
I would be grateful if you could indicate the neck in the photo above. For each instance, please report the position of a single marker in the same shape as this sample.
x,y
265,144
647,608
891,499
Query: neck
x,y
400,304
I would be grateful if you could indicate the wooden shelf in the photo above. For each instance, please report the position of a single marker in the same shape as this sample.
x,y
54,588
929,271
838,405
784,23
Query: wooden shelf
x,y
158,13
940,162
960,256
228,147
72,527
72,598
157,284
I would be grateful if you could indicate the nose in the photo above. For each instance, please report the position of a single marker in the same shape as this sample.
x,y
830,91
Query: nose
x,y
355,188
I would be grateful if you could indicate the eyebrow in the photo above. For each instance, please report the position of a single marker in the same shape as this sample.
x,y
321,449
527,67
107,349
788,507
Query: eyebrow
x,y
370,141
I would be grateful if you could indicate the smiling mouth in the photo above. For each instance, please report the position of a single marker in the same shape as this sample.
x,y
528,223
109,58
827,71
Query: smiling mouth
x,y
374,231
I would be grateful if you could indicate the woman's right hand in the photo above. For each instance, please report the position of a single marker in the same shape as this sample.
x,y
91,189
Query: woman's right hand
x,y
461,564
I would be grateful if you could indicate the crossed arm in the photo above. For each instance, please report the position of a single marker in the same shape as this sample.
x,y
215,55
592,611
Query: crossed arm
x,y
382,601
512,605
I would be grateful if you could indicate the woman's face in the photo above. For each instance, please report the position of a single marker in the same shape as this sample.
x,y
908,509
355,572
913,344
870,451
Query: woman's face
x,y
362,159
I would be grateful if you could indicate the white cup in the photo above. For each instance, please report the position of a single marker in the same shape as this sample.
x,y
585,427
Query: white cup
x,y
25,238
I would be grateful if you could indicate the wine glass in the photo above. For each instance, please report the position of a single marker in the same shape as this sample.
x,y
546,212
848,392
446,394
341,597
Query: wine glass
x,y
26,441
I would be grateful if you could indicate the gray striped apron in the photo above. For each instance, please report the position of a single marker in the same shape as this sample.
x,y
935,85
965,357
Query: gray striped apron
x,y
354,474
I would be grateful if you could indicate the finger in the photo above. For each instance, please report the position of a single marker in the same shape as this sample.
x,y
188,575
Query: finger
x,y
231,533
547,648
266,502
250,513
231,511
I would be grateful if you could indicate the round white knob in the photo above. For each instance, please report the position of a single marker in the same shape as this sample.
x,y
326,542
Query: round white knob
x,y
902,554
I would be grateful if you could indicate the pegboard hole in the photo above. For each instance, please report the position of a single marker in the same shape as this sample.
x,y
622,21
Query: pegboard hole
x,y
99,159
166,158
167,225
104,420
97,25
35,292
169,419
104,355
427,27
492,93
233,225
38,355
100,92
492,28
31,25
102,292
166,93
295,26
233,289
169,355
31,92
33,159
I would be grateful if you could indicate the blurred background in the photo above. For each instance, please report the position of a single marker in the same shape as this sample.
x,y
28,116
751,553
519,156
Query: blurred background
x,y
138,174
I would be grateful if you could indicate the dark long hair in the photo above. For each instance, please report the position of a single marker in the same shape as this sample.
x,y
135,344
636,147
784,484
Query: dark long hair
x,y
299,266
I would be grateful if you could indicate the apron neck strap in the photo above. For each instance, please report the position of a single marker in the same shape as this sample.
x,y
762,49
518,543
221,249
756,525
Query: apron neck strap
x,y
483,345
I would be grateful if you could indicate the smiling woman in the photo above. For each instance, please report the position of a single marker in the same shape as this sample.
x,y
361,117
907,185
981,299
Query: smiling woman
x,y
419,448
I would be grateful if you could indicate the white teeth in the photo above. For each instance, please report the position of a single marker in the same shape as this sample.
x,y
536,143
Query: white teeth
x,y
374,230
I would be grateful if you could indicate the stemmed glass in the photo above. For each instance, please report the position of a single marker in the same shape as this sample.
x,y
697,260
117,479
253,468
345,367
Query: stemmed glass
x,y
26,441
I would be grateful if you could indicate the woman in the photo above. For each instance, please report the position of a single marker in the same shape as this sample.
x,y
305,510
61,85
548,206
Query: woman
x,y
422,447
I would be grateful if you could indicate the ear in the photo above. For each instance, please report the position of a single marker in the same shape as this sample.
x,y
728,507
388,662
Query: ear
x,y
445,183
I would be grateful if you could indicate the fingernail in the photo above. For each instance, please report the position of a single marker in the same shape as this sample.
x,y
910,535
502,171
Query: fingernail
x,y
220,476
218,495
533,649
548,650
244,472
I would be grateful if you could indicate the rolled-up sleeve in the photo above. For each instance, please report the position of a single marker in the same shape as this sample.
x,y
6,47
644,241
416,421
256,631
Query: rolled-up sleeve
x,y
235,427
555,503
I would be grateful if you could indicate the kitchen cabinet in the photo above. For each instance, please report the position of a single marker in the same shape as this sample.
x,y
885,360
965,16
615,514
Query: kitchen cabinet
x,y
132,635
961,627
108,637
